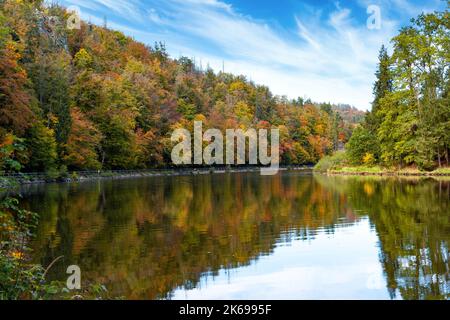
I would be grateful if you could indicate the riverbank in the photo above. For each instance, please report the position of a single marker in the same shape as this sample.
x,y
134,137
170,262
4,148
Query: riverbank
x,y
14,180
380,171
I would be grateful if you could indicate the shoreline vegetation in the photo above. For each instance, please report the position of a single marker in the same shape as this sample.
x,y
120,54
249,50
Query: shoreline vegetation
x,y
367,171
340,164
13,180
407,132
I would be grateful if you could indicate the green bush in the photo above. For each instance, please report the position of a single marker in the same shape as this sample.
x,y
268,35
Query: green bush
x,y
57,173
74,176
63,172
362,143
331,162
52,173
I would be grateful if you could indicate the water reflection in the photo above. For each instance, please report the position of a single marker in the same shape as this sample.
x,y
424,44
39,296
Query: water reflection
x,y
246,236
343,264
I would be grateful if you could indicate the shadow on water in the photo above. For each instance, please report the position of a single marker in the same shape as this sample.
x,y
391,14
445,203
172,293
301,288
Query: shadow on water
x,y
149,238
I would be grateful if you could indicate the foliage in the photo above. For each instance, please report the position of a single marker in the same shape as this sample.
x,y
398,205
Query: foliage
x,y
331,162
11,152
359,169
361,143
15,99
369,159
41,144
19,279
22,279
409,124
95,99
83,143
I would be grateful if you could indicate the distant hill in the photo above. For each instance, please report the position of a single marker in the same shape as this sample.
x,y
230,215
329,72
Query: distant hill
x,y
349,114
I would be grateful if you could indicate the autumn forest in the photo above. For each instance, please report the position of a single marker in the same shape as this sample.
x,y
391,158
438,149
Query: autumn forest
x,y
92,98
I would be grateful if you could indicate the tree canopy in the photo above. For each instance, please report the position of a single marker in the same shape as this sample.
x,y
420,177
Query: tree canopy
x,y
93,98
410,120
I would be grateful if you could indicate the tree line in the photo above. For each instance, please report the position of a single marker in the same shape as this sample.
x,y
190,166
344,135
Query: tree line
x,y
409,124
93,98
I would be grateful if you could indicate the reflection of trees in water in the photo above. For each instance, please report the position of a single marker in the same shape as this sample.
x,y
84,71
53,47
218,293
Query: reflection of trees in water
x,y
411,217
147,237
144,238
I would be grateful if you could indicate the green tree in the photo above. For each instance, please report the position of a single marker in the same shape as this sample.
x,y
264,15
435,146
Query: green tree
x,y
382,86
361,143
42,146
51,76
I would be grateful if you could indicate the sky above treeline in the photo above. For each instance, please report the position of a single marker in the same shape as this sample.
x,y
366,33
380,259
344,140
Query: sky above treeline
x,y
316,49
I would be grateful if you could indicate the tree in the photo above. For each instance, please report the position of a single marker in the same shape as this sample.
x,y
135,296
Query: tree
x,y
15,99
382,86
83,60
410,115
42,146
361,143
118,146
81,150
51,75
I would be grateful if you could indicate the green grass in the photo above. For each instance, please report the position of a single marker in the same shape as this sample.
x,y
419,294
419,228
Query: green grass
x,y
381,170
330,162
360,169
442,171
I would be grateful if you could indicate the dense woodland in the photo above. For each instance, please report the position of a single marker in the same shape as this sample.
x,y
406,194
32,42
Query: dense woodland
x,y
92,98
410,121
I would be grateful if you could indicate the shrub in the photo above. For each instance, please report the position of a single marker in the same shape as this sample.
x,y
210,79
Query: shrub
x,y
360,144
369,159
74,176
19,279
331,162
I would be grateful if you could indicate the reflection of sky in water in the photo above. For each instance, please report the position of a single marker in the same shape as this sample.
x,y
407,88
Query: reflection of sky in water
x,y
341,265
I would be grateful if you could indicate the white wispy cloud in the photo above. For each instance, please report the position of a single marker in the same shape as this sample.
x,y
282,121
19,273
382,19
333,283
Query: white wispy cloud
x,y
332,58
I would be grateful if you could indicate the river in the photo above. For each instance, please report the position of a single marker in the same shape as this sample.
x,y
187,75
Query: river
x,y
247,236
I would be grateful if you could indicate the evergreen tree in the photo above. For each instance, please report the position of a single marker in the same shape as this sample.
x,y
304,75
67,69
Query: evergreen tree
x,y
382,86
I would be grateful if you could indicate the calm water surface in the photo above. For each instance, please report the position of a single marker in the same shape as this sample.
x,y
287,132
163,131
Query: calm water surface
x,y
244,236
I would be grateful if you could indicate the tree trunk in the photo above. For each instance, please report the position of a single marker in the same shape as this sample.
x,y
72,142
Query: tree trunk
x,y
103,159
439,158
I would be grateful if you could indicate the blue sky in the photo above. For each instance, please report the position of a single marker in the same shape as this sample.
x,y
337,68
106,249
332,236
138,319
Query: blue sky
x,y
318,49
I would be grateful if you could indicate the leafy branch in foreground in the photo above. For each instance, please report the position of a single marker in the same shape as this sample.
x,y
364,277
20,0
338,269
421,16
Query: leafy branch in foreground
x,y
19,278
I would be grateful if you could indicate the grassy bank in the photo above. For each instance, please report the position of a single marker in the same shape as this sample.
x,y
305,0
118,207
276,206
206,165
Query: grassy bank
x,y
377,170
338,164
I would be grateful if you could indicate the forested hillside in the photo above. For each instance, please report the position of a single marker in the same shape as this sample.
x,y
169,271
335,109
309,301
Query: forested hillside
x,y
410,121
92,98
